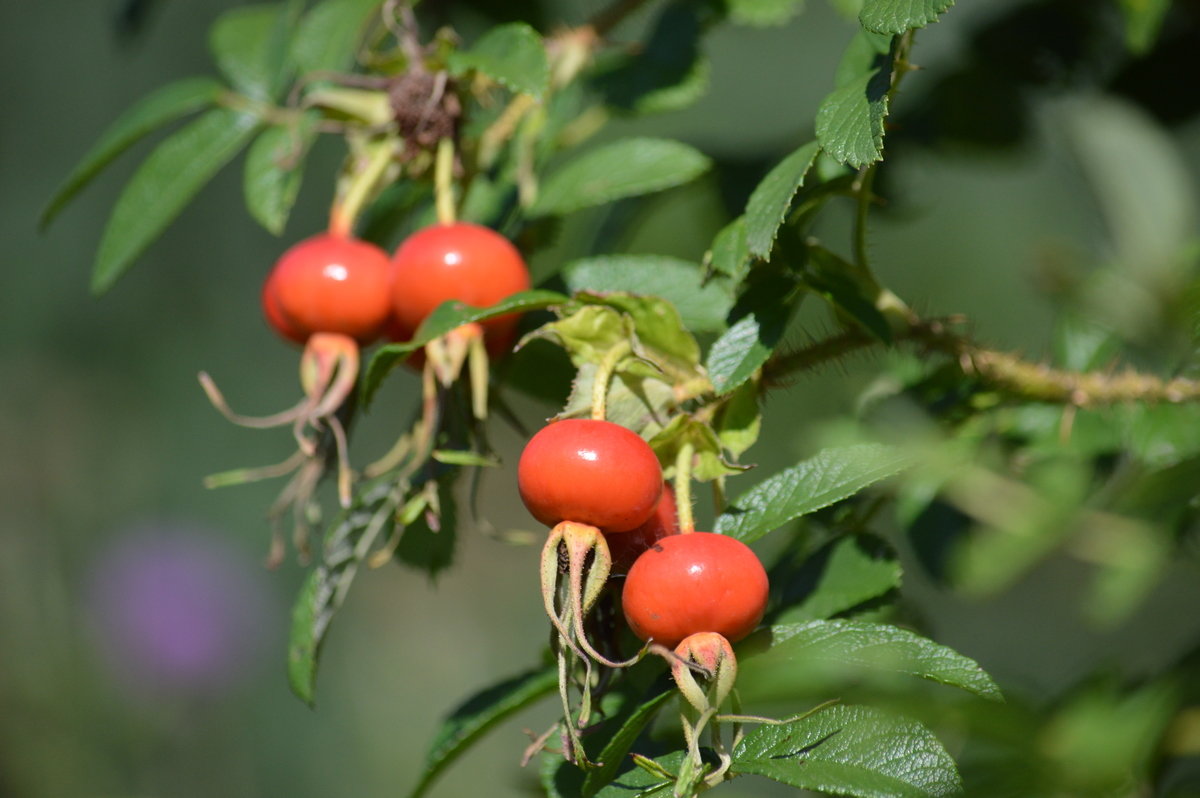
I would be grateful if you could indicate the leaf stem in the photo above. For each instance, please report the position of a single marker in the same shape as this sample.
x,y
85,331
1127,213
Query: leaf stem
x,y
443,182
604,374
369,169
683,488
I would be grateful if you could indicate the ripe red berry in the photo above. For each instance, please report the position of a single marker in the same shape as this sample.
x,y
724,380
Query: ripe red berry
x,y
331,284
628,546
701,582
462,261
274,314
591,472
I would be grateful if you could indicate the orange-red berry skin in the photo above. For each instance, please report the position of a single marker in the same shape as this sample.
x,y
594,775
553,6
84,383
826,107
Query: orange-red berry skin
x,y
591,472
332,284
463,261
698,582
628,546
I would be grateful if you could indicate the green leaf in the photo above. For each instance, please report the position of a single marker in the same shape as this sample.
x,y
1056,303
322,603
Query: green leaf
x,y
625,168
730,253
331,33
612,756
247,44
850,120
851,750
759,319
637,782
274,168
634,402
512,55
165,182
820,655
898,16
701,307
739,420
763,13
468,723
343,551
159,108
830,476
445,318
771,199
844,574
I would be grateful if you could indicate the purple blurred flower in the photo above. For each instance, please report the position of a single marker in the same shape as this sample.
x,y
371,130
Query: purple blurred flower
x,y
176,607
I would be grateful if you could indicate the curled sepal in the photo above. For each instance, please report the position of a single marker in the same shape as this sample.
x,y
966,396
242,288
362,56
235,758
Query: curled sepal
x,y
328,374
567,551
712,654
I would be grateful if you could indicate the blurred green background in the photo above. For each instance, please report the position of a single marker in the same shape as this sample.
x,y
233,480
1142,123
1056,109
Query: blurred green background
x,y
105,435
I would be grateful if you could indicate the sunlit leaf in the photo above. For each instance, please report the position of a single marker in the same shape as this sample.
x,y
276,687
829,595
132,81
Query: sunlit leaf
x,y
831,475
730,253
771,199
756,328
851,750
159,108
820,655
898,16
165,182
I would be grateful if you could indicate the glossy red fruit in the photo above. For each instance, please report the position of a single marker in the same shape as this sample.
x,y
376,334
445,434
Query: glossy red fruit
x,y
700,582
331,284
591,472
462,261
628,546
274,314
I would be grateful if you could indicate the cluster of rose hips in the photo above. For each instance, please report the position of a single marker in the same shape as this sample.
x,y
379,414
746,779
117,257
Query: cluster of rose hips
x,y
333,294
337,284
688,594
679,582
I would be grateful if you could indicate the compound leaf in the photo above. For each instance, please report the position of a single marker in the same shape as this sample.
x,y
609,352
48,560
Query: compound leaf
x,y
330,34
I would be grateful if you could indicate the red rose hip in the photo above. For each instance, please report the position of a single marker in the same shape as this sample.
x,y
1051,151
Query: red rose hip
x,y
463,261
628,546
591,472
331,284
698,582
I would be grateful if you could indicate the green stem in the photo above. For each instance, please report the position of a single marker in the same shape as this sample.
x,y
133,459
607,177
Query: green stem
x,y
683,488
863,193
604,374
361,186
443,182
